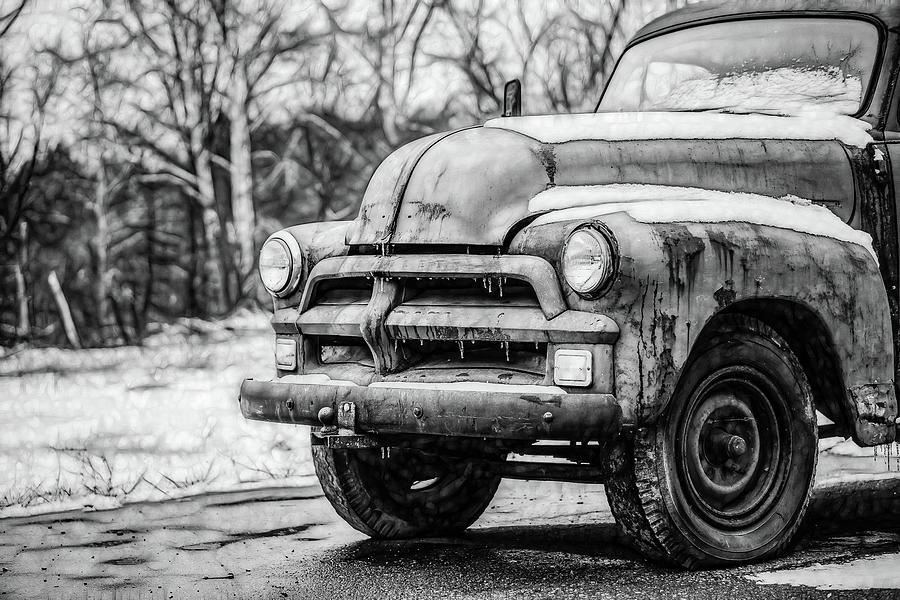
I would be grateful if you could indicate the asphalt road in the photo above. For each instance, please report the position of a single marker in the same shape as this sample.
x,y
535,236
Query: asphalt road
x,y
538,540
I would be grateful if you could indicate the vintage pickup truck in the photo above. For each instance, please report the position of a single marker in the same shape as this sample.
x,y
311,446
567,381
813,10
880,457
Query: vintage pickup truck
x,y
677,295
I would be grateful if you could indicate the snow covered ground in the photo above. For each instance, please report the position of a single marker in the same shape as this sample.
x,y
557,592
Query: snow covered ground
x,y
97,428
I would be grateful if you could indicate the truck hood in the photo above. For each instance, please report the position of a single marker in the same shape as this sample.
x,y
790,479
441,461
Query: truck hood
x,y
473,186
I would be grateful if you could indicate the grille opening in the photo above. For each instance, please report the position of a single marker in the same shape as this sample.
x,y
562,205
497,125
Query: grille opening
x,y
344,350
493,290
522,357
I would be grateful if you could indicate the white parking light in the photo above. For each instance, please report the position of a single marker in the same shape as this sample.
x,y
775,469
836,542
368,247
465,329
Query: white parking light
x,y
286,354
572,368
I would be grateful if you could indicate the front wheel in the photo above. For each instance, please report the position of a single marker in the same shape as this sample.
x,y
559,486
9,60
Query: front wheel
x,y
725,475
408,493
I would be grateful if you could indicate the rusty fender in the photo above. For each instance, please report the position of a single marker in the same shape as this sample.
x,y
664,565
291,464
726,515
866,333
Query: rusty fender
x,y
317,241
429,411
674,277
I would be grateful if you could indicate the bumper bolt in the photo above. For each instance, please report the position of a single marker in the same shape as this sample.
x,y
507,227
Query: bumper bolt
x,y
548,417
418,412
326,415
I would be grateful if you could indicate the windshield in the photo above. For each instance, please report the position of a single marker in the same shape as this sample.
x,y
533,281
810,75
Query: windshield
x,y
784,66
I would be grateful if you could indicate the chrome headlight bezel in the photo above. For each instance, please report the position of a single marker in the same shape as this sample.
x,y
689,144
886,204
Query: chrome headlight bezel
x,y
607,266
295,268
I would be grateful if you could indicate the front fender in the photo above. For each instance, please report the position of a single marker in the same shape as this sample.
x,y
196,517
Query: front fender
x,y
316,241
675,277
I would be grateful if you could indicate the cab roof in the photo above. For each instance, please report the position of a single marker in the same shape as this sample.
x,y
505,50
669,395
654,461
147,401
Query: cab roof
x,y
888,11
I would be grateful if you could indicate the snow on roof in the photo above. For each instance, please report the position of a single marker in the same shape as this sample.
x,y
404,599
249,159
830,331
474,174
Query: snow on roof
x,y
677,125
670,204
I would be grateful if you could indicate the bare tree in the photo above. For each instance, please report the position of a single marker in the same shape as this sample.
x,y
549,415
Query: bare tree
x,y
190,74
562,51
24,98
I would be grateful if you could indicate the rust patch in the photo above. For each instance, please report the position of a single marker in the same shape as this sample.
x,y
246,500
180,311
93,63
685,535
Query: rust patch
x,y
537,400
875,402
683,251
432,211
725,295
547,155
724,250
666,372
656,331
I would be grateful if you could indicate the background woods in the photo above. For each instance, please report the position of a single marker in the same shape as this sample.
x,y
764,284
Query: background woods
x,y
147,147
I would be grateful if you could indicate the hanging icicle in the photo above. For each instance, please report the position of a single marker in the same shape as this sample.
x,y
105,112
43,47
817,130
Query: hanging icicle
x,y
462,349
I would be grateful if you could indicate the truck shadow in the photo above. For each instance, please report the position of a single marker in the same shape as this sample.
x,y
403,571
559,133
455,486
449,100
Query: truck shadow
x,y
858,517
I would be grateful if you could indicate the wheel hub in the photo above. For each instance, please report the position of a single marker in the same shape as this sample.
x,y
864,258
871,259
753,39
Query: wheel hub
x,y
727,445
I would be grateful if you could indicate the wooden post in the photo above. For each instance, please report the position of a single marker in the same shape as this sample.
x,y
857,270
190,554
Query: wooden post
x,y
64,313
23,327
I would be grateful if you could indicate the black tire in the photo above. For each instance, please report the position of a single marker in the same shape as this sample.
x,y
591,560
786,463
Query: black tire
x,y
406,494
725,475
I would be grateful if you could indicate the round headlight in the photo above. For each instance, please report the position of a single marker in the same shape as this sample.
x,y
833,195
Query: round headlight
x,y
589,260
280,262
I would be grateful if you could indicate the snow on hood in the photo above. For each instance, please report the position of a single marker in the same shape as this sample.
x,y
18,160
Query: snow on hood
x,y
669,204
675,125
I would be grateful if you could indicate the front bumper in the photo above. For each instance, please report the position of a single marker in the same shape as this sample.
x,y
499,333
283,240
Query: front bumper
x,y
470,410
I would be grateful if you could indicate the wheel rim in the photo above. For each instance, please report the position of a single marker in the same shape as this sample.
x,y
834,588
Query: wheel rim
x,y
734,437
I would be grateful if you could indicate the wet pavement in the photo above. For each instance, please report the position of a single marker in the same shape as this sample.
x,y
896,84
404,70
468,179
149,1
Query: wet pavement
x,y
538,540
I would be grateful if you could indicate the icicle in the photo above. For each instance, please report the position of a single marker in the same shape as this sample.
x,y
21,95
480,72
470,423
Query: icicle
x,y
890,453
500,285
484,282
490,284
462,350
396,342
421,343
506,349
